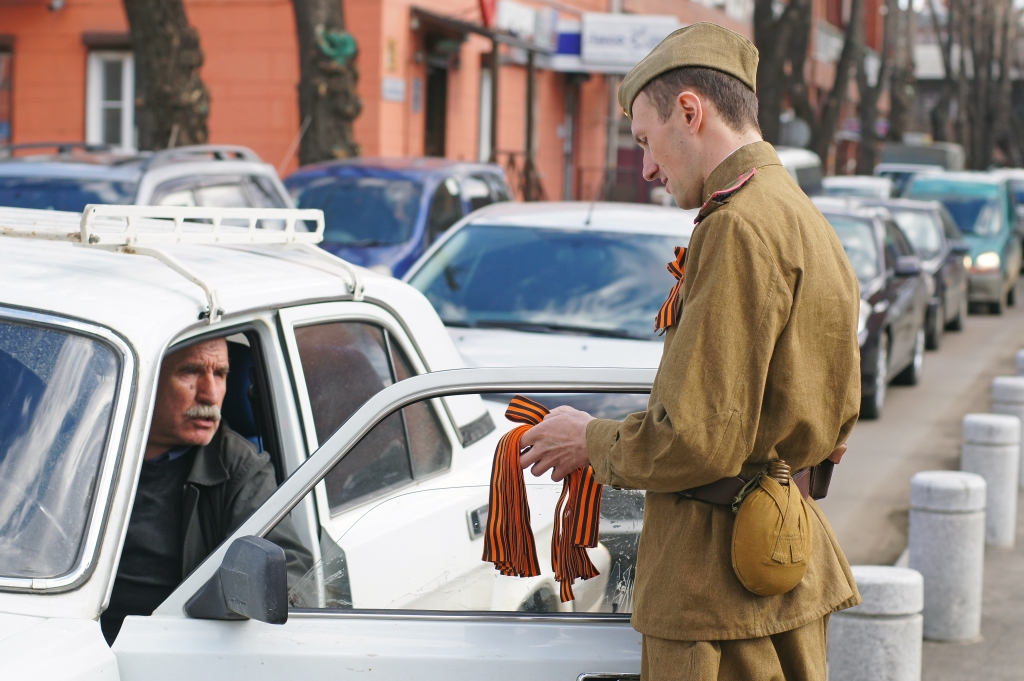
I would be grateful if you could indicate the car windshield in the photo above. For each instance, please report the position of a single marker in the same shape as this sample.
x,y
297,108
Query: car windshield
x,y
363,211
973,205
550,280
63,193
858,240
922,229
56,395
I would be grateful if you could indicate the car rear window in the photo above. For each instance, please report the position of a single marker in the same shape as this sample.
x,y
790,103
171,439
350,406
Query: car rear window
x,y
62,193
550,280
57,391
923,230
362,211
858,239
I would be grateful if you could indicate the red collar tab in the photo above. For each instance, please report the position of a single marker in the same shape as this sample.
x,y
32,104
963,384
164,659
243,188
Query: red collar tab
x,y
724,194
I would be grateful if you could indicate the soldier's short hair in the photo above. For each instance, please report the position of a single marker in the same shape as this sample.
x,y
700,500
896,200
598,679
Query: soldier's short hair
x,y
736,102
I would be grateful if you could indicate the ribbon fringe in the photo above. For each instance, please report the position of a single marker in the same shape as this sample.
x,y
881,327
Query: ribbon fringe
x,y
509,541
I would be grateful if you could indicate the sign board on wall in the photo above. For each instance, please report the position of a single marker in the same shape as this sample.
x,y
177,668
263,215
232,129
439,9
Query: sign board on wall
x,y
529,23
622,38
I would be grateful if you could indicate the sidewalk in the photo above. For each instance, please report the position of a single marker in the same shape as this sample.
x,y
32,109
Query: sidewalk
x,y
1000,653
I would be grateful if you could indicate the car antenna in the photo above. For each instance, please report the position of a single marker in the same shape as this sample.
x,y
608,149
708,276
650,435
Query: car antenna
x,y
590,213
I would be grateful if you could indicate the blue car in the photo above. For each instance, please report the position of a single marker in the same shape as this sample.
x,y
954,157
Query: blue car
x,y
383,213
983,207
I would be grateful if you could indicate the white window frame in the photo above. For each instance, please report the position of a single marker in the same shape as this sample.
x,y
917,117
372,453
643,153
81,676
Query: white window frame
x,y
94,97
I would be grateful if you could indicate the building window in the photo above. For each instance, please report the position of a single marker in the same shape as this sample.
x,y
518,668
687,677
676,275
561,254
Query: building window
x,y
5,96
110,99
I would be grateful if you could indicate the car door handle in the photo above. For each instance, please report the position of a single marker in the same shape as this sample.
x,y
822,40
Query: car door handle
x,y
602,676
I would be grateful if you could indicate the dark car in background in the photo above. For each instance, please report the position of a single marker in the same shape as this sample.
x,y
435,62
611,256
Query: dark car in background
x,y
384,212
984,210
894,298
939,243
69,176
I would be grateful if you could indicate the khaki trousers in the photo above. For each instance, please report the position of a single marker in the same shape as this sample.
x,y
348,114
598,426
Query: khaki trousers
x,y
796,655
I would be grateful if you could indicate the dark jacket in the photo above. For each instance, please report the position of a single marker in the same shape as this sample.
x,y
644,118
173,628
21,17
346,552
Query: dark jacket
x,y
230,480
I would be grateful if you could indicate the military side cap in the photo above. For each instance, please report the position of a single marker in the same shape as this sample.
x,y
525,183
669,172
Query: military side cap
x,y
703,45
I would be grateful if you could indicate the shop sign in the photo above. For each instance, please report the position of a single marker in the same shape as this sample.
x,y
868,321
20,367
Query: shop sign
x,y
622,38
529,23
393,89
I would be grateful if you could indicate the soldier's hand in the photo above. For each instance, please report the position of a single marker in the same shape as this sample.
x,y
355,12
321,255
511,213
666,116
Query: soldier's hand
x,y
557,444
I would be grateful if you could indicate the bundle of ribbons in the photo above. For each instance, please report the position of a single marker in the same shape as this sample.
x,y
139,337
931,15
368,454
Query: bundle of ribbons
x,y
509,542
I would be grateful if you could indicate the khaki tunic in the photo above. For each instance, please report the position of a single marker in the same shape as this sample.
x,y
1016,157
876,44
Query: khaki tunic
x,y
764,363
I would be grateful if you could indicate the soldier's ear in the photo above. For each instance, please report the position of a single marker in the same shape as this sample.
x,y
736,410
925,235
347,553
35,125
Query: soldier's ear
x,y
692,109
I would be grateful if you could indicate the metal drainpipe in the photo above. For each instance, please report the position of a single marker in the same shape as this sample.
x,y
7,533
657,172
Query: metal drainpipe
x,y
528,167
612,160
495,67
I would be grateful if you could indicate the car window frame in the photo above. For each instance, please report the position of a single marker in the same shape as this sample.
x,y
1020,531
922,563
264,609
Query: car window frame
x,y
113,450
433,385
355,312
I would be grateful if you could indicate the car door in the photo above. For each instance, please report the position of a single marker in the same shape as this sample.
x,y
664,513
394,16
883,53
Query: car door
x,y
403,619
954,268
912,291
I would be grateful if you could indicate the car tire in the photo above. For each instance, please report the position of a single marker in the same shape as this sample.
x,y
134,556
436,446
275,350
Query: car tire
x,y
1011,296
871,405
933,339
957,323
912,374
996,308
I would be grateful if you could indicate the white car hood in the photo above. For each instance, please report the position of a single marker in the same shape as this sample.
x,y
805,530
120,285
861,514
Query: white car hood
x,y
501,348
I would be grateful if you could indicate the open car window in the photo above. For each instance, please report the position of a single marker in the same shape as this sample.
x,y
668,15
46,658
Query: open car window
x,y
420,548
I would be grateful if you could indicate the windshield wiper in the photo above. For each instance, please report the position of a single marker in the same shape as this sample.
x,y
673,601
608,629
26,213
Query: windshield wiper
x,y
461,323
546,327
366,243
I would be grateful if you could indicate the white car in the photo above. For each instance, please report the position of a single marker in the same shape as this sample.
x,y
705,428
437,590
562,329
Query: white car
x,y
90,304
557,284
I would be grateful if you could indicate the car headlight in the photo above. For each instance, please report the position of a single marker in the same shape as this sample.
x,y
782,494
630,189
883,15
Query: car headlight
x,y
865,313
989,260
968,263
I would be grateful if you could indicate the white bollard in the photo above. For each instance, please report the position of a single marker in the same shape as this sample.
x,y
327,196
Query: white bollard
x,y
880,639
1008,398
946,542
992,450
1020,362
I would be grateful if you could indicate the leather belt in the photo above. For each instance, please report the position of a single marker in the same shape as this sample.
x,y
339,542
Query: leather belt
x,y
812,482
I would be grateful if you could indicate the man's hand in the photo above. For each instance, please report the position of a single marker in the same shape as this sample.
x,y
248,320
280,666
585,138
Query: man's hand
x,y
557,444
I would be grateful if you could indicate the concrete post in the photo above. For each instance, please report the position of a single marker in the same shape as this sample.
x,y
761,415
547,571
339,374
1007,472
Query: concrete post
x,y
1020,362
947,546
1008,398
992,450
880,639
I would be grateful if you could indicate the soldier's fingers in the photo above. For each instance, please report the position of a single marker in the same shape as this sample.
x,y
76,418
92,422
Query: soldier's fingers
x,y
540,468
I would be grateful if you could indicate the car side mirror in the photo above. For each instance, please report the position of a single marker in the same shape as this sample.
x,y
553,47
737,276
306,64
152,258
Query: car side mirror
x,y
908,266
959,247
251,583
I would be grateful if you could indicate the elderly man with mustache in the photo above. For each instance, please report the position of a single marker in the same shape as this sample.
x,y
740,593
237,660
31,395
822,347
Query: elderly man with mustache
x,y
199,481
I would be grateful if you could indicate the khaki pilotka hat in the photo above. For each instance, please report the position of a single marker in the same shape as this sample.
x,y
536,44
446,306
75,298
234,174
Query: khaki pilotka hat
x,y
703,44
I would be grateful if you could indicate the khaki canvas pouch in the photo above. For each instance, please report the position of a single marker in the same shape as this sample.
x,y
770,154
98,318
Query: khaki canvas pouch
x,y
771,538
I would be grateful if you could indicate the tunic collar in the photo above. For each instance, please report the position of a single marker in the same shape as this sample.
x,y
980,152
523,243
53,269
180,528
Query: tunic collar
x,y
739,162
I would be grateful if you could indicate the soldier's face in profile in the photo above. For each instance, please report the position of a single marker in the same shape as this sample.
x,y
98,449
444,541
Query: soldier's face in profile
x,y
672,152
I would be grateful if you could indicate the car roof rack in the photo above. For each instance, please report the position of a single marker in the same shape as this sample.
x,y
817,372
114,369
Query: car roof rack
x,y
144,230
7,150
216,152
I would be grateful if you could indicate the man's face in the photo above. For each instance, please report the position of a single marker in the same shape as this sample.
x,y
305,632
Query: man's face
x,y
189,395
671,153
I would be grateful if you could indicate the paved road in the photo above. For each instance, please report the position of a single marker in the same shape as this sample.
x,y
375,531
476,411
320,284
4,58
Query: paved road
x,y
919,430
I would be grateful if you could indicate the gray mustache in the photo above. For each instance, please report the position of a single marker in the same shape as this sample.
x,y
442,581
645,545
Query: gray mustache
x,y
204,411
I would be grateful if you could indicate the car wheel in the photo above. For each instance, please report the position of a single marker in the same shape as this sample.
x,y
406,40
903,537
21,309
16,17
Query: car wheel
x,y
957,323
1011,296
871,405
996,307
912,374
934,338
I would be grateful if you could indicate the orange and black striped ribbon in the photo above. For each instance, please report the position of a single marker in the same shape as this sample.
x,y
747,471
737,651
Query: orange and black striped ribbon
x,y
509,542
667,314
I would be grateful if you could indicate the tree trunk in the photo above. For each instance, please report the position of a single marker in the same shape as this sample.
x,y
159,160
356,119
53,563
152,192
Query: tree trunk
x,y
172,104
867,108
328,102
772,36
902,87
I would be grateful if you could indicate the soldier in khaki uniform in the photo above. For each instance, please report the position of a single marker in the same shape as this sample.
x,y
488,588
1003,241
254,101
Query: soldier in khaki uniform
x,y
760,363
